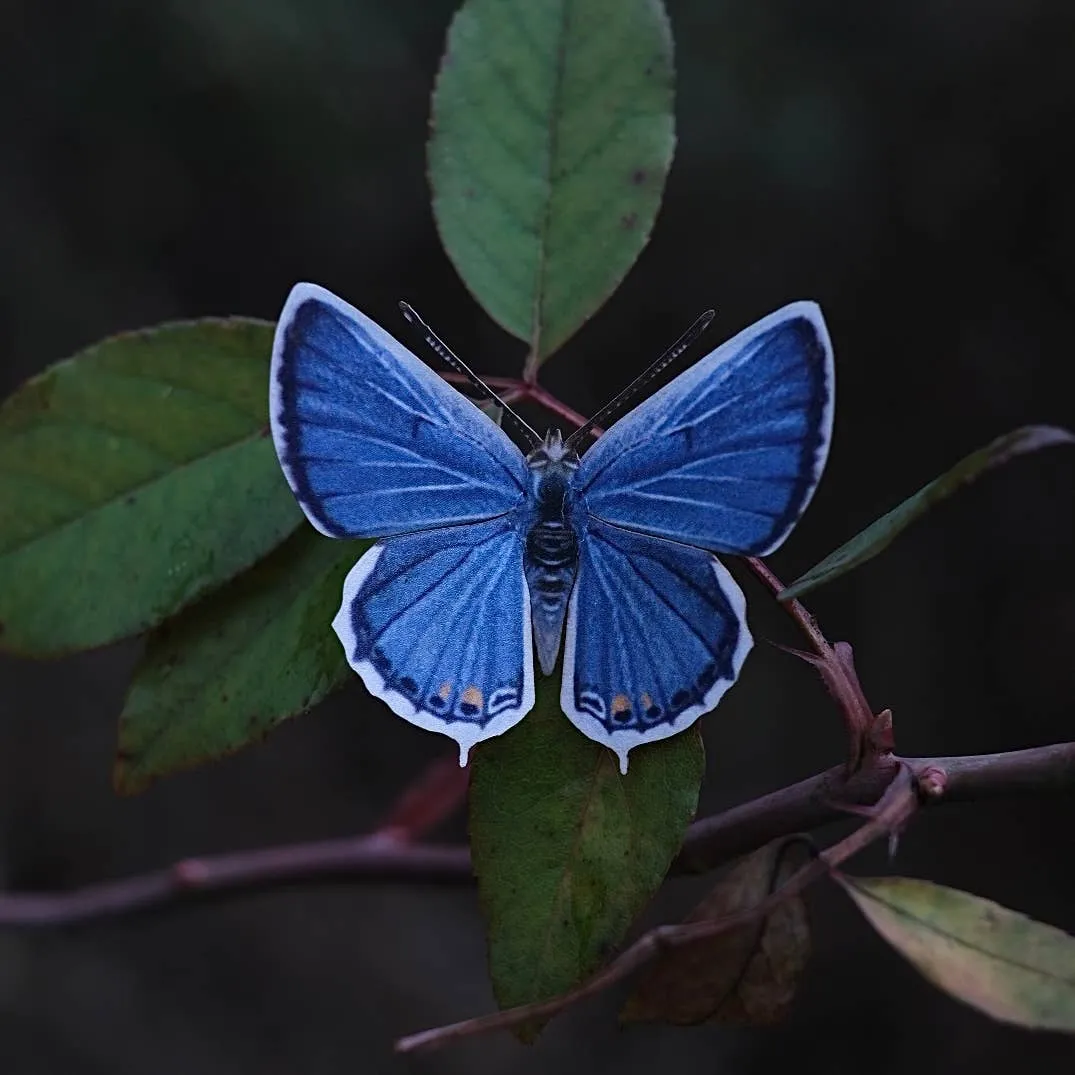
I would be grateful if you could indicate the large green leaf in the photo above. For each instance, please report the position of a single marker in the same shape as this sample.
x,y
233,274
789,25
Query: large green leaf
x,y
567,851
228,670
1001,962
552,136
880,534
133,478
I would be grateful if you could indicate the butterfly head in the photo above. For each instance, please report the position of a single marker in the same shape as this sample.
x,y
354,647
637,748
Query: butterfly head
x,y
553,453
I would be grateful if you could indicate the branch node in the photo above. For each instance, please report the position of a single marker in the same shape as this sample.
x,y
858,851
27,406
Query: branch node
x,y
932,782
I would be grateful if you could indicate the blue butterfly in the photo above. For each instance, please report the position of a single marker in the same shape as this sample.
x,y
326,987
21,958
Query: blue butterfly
x,y
485,554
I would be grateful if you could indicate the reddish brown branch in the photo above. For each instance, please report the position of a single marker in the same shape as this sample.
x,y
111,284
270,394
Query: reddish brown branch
x,y
547,400
377,859
893,811
357,858
425,803
514,390
803,619
825,797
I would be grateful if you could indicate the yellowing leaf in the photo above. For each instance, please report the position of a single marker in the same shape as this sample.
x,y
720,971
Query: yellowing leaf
x,y
999,961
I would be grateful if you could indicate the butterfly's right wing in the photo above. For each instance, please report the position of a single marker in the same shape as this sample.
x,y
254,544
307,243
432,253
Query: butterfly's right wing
x,y
727,455
437,624
371,440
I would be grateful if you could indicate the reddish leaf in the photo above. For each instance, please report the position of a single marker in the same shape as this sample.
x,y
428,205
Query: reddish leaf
x,y
747,975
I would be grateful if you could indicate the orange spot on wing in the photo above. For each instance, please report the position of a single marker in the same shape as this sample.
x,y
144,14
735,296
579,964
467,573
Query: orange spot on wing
x,y
473,696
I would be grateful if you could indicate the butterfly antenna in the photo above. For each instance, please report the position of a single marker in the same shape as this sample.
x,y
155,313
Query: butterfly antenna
x,y
452,359
662,363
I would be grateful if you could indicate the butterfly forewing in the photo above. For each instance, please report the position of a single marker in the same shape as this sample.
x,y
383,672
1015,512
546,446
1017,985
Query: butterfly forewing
x,y
728,454
371,440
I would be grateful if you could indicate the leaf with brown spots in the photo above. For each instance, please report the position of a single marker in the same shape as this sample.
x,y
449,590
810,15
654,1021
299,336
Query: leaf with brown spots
x,y
998,961
746,975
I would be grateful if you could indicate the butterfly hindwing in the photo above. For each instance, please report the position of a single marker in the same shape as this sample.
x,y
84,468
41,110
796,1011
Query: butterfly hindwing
x,y
372,441
437,624
656,633
728,454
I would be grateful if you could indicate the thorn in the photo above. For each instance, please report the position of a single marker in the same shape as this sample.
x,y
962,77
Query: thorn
x,y
803,655
882,735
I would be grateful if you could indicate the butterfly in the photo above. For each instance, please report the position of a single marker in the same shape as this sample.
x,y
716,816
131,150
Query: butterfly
x,y
484,553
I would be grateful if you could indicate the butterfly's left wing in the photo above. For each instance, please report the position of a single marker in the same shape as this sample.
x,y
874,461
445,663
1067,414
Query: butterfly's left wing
x,y
656,633
728,454
437,624
371,440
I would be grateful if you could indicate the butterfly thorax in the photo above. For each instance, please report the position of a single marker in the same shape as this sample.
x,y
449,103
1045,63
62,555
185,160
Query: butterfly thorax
x,y
552,549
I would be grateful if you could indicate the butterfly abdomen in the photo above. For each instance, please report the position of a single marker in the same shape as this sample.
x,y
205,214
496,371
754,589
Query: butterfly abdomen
x,y
550,562
551,553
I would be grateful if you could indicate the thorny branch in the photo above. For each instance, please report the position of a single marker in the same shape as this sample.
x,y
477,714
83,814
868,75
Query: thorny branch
x,y
379,858
893,811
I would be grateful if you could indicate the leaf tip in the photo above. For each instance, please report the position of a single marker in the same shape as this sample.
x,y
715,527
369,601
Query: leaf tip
x,y
1030,438
125,778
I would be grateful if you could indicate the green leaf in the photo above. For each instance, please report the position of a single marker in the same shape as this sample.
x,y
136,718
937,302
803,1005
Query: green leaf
x,y
880,534
999,961
552,137
226,671
134,477
566,850
747,975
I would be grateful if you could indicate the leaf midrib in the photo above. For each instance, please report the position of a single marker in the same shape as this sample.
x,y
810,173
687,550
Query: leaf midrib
x,y
537,305
961,941
569,858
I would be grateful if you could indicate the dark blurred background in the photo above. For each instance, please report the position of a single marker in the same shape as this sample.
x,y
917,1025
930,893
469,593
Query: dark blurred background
x,y
901,163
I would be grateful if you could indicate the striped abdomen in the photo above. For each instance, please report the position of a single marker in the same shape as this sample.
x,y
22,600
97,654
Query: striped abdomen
x,y
552,553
